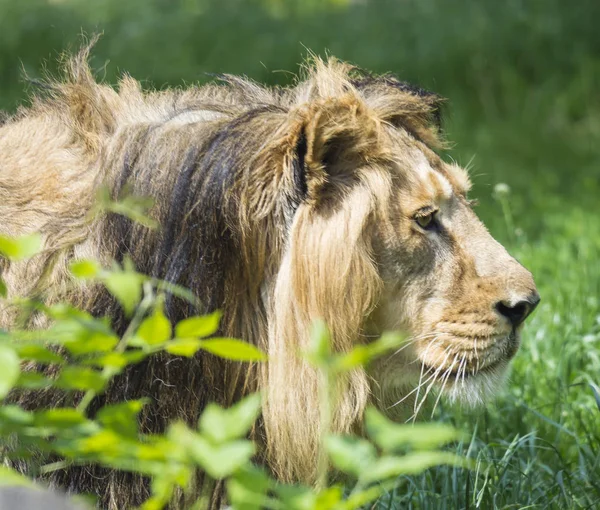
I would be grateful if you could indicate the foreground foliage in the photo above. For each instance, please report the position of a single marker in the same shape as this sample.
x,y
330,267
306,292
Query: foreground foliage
x,y
89,354
522,80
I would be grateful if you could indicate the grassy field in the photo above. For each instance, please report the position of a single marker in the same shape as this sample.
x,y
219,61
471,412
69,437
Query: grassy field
x,y
522,78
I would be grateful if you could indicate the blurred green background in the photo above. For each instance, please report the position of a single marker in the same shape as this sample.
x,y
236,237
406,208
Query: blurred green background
x,y
522,78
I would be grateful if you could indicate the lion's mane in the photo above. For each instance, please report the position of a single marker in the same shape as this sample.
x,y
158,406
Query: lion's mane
x,y
254,217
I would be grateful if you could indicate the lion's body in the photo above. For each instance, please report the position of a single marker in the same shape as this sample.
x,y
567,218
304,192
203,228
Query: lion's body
x,y
262,215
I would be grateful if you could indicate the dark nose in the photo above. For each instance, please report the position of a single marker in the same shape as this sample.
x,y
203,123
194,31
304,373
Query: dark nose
x,y
518,312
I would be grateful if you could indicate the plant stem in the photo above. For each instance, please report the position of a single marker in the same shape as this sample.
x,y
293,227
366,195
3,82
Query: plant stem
x,y
109,372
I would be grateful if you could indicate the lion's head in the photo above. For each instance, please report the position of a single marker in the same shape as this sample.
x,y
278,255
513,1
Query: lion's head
x,y
385,238
457,292
325,200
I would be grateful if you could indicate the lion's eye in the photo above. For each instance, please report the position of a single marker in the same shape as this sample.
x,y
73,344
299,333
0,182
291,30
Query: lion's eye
x,y
427,221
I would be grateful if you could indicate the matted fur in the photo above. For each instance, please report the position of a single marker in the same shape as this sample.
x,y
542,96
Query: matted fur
x,y
277,205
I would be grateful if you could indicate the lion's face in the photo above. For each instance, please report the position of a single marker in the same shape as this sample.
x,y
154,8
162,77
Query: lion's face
x,y
447,282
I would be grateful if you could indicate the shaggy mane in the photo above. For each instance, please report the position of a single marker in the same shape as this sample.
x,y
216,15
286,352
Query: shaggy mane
x,y
253,208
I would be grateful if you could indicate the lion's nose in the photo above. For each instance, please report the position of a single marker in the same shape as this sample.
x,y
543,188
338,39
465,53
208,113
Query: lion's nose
x,y
518,312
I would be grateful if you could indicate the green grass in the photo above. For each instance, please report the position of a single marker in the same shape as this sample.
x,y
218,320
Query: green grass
x,y
522,78
538,445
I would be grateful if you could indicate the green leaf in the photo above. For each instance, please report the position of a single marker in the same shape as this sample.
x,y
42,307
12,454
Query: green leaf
x,y
218,461
33,381
59,418
37,353
91,343
63,311
176,290
105,441
14,414
329,498
390,436
82,334
357,357
247,488
80,378
222,461
198,327
221,425
155,329
9,374
387,341
133,207
20,248
122,417
362,354
85,269
356,500
350,454
410,464
126,287
9,477
163,484
183,346
116,360
154,502
296,497
232,349
3,288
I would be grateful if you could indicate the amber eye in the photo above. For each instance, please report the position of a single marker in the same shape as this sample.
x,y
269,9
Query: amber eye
x,y
426,221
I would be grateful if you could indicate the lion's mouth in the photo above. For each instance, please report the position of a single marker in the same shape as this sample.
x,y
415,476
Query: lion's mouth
x,y
459,373
466,365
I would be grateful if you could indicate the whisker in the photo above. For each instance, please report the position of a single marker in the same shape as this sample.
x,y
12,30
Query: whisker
x,y
422,368
461,366
413,418
431,385
447,376
420,386
464,371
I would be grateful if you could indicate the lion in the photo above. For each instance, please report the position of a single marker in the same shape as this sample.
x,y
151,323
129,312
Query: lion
x,y
279,206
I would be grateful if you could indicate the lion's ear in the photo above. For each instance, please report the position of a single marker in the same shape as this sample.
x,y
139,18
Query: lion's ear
x,y
336,136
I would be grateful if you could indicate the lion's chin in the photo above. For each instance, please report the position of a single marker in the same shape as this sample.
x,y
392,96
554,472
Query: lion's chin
x,y
409,388
478,389
476,386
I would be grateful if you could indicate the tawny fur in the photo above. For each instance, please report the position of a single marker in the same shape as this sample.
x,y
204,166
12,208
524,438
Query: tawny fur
x,y
277,205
